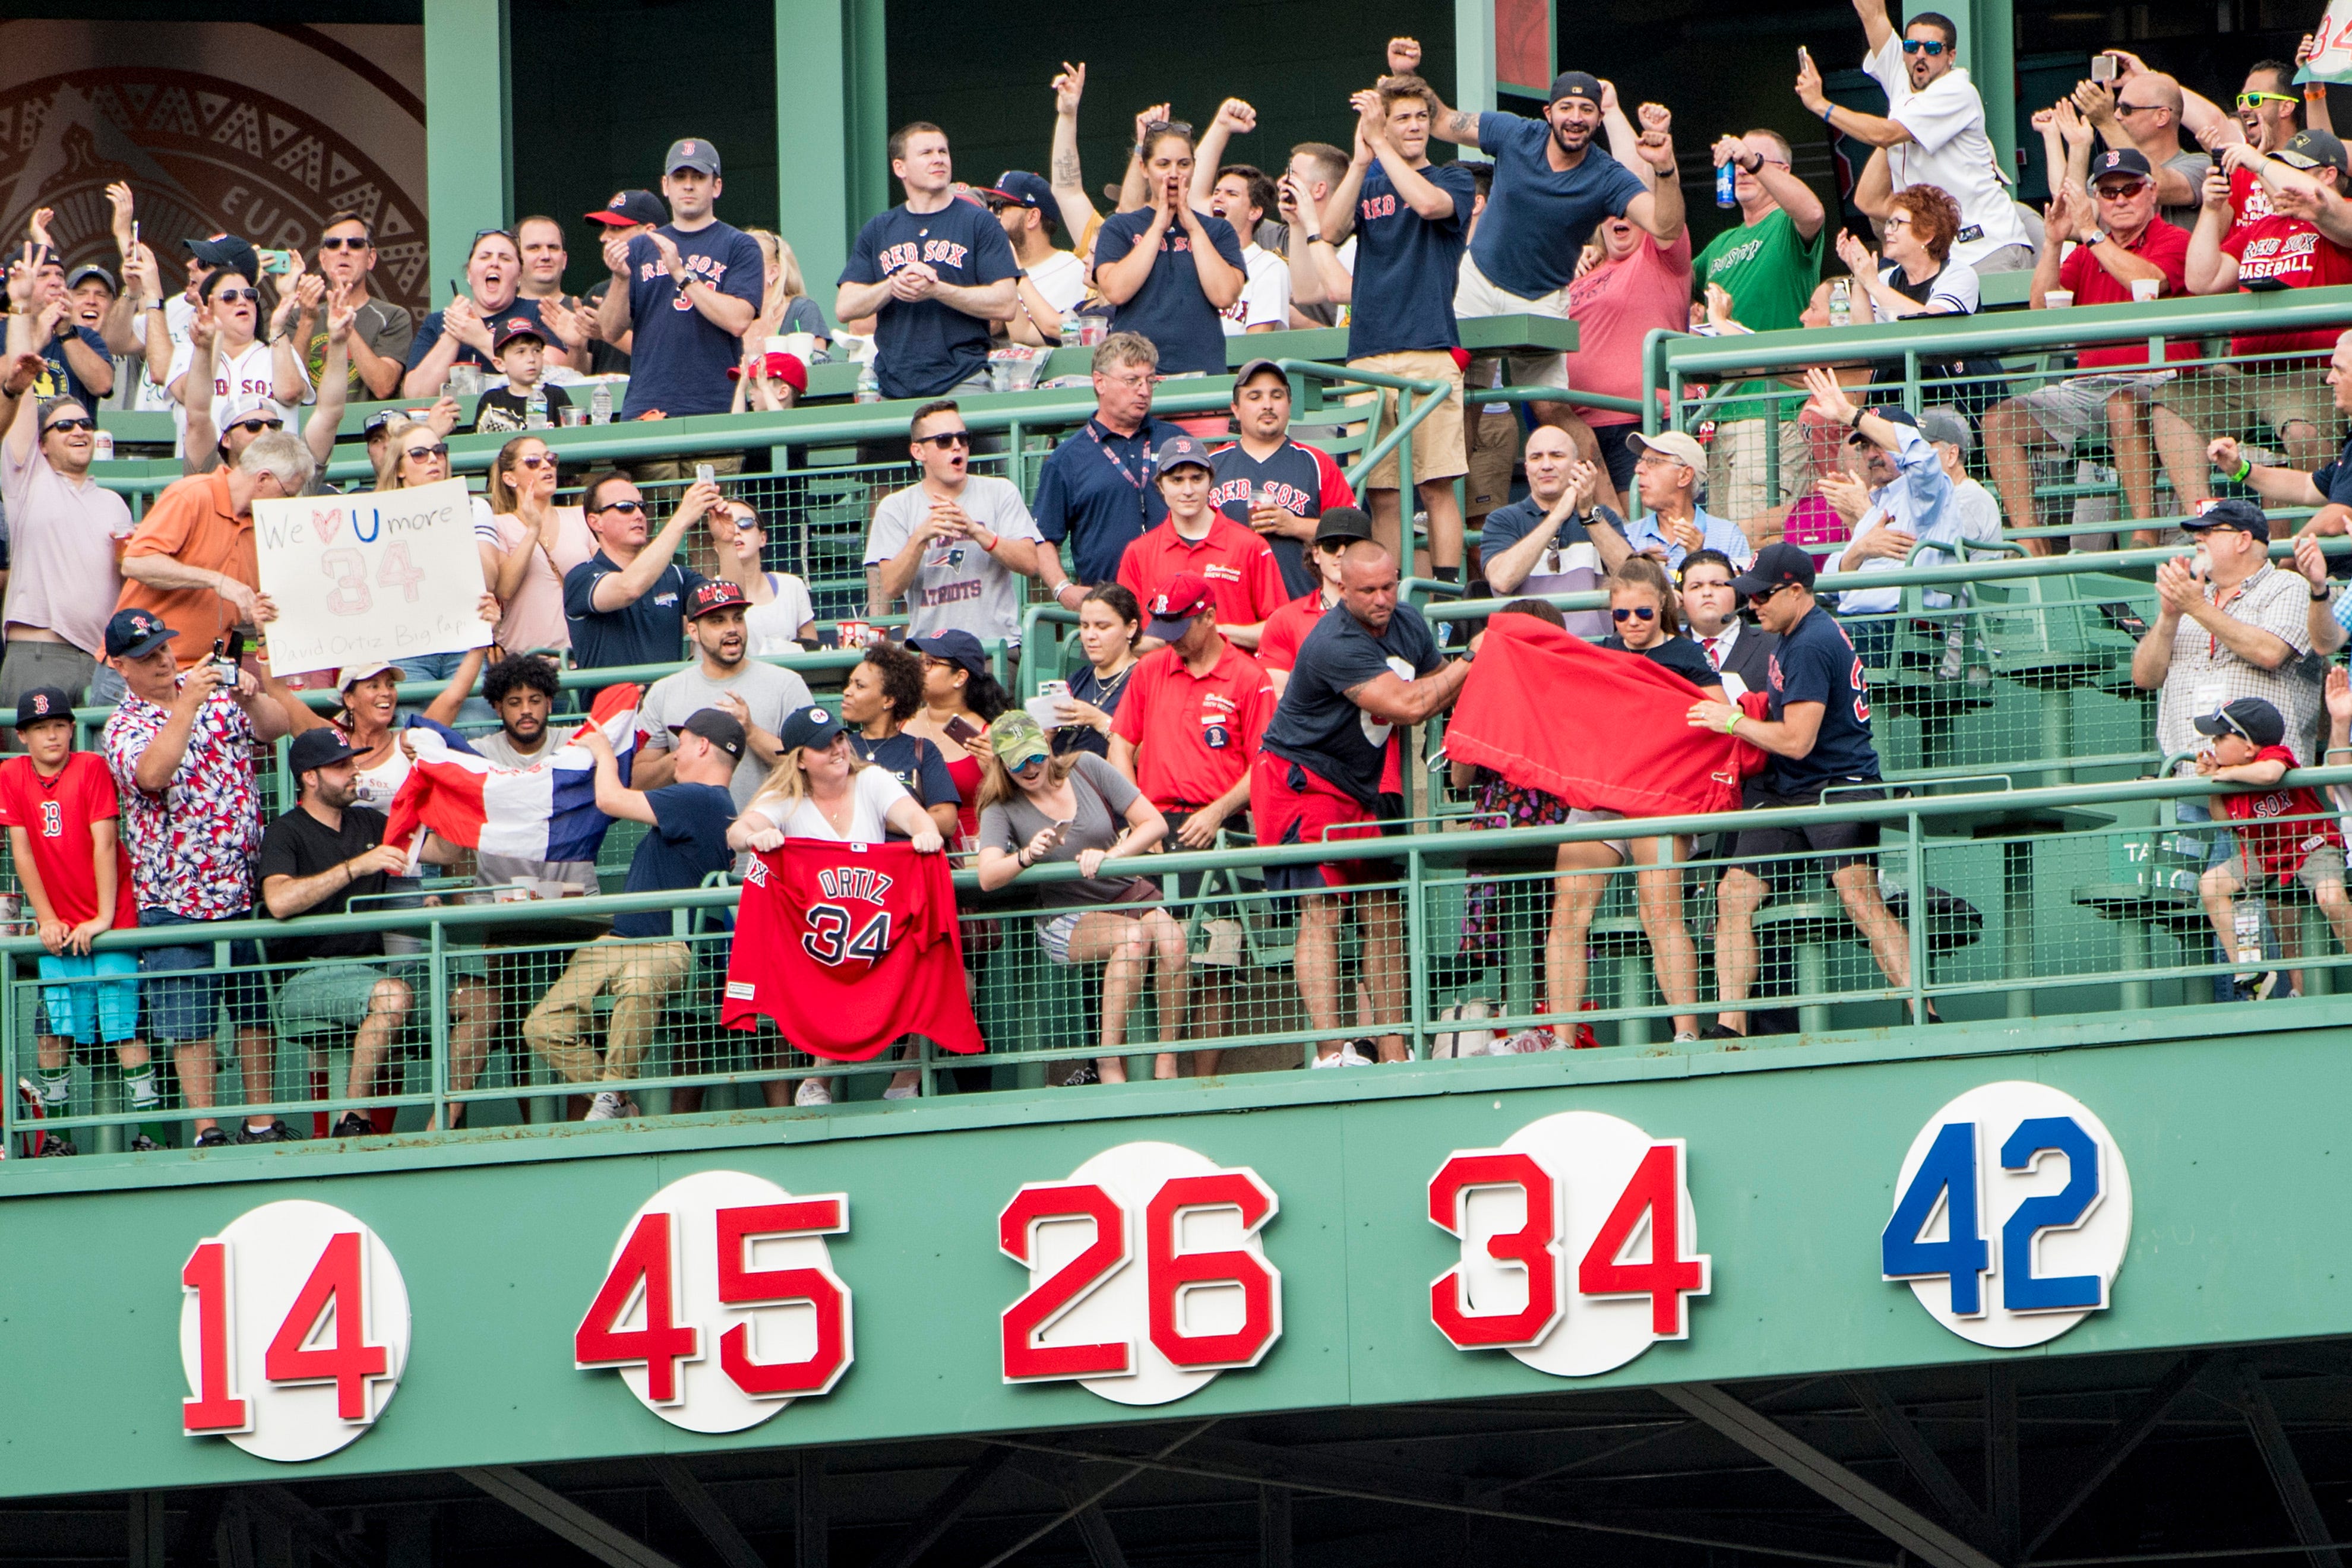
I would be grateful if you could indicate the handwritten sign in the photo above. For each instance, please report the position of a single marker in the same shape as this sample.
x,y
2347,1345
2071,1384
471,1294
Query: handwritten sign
x,y
2331,46
388,575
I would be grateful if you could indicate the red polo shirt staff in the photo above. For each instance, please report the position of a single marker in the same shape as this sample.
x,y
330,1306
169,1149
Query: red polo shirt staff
x,y
1189,726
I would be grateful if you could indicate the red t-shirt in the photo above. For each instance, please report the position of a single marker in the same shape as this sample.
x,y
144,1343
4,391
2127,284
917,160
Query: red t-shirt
x,y
2093,284
57,815
2278,847
1277,645
1240,568
1194,736
2291,252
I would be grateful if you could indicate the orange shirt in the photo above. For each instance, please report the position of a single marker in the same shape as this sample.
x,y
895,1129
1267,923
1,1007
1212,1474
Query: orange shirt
x,y
194,523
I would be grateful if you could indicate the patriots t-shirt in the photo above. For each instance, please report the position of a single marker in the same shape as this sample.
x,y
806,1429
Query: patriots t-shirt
x,y
1407,265
1169,309
1815,662
923,348
679,357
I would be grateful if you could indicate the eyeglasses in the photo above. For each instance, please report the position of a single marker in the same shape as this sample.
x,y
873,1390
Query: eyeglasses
x,y
345,242
1638,613
1131,379
255,427
621,506
438,450
1929,46
2254,100
945,439
69,424
1898,220
233,295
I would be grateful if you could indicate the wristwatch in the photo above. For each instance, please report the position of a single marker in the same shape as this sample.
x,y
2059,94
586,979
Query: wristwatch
x,y
2321,595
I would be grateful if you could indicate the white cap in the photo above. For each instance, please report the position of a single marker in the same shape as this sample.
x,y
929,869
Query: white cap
x,y
350,675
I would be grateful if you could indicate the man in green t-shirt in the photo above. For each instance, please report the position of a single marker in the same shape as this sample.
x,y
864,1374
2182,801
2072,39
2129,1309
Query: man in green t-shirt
x,y
1769,266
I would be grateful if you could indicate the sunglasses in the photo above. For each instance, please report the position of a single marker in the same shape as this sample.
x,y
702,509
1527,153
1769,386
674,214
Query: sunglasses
x,y
2253,99
438,450
623,506
536,461
1022,770
255,427
2118,192
1182,128
482,234
344,243
69,424
1638,613
945,439
233,295
1929,46
2122,108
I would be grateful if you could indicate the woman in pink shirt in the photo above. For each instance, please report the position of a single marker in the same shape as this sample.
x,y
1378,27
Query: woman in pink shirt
x,y
1629,284
528,543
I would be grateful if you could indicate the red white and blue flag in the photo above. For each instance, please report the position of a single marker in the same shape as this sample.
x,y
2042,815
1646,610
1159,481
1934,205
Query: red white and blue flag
x,y
546,811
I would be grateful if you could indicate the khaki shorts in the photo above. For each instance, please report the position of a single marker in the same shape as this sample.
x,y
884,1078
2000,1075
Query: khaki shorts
x,y
1437,452
1493,457
2224,400
1736,483
2325,864
1475,295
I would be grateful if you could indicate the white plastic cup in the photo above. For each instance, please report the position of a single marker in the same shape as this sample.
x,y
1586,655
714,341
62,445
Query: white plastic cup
x,y
2059,300
2146,288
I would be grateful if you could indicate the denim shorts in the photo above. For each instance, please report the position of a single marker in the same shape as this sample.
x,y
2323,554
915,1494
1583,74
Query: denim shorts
x,y
185,992
99,1007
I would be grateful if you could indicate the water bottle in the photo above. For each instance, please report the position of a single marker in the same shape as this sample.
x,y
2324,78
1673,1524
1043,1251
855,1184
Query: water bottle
x,y
869,386
1072,336
534,409
600,403
1841,302
1727,186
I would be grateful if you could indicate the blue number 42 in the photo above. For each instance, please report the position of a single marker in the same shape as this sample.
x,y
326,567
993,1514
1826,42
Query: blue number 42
x,y
1947,1178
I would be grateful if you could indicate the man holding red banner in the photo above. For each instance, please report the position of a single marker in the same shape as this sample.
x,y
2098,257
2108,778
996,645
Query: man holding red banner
x,y
1369,665
1816,729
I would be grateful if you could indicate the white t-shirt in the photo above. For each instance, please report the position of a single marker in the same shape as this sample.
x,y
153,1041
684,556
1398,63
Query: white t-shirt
x,y
873,790
247,374
1061,279
1949,149
958,586
1265,293
1955,288
774,626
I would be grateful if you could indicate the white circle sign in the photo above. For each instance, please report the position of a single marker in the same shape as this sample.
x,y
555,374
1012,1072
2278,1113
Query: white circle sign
x,y
293,1331
2012,1213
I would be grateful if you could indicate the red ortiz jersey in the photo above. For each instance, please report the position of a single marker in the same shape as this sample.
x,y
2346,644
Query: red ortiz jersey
x,y
849,947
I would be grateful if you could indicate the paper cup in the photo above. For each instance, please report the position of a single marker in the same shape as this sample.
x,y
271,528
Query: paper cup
x,y
2145,288
2058,300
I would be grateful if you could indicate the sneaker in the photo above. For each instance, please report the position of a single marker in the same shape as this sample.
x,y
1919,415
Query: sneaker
x,y
353,1125
1083,1073
275,1132
1720,1032
1685,1037
605,1106
54,1146
813,1092
212,1138
2257,987
142,1144
909,1092
1347,1055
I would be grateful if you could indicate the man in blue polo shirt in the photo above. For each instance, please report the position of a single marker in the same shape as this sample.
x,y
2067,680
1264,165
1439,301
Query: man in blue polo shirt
x,y
934,273
1816,729
1551,186
1411,218
626,603
688,290
1098,490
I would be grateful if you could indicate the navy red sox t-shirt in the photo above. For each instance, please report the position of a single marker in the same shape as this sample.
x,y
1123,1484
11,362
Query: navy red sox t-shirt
x,y
1169,309
1815,662
1318,727
923,348
1538,218
1303,480
679,357
1407,265
430,330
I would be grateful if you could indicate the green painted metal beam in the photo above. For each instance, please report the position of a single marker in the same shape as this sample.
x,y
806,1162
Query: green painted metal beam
x,y
469,134
1991,59
831,128
1474,54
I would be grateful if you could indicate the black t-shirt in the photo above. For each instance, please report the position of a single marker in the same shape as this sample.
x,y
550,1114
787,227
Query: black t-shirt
x,y
1317,726
687,842
1086,686
298,845
1169,309
648,630
604,359
1815,662
505,409
1680,654
923,348
915,763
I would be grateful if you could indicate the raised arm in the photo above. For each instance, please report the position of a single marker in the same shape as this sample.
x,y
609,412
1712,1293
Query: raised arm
x,y
614,798
1234,118
630,584
613,310
1658,210
1876,28
1428,200
334,381
2210,269
1066,174
1876,130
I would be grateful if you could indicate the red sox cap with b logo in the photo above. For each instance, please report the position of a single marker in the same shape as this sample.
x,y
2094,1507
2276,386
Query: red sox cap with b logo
x,y
43,702
1185,596
134,634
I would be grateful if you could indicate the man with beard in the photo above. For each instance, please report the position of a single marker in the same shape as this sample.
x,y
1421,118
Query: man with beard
x,y
466,330
1269,482
522,691
755,695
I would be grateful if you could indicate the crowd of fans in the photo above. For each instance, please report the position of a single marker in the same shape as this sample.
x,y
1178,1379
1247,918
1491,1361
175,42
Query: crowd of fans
x,y
1250,672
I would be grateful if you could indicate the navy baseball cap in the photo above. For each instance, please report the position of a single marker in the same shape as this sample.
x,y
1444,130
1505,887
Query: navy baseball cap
x,y
810,726
90,270
1024,189
954,647
628,207
227,250
687,152
2233,513
1575,84
2251,716
321,748
1777,566
2121,160
43,703
517,328
135,634
1178,450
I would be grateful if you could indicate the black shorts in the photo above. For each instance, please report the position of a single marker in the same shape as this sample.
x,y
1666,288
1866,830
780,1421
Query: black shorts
x,y
1837,845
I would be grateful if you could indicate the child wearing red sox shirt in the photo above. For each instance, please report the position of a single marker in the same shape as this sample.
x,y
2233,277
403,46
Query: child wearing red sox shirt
x,y
59,805
2289,834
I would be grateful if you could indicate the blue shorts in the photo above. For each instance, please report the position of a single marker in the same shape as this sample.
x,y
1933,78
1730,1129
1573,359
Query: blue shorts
x,y
102,1008
187,1007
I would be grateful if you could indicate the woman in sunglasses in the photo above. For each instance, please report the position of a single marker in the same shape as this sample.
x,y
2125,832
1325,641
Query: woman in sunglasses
x,y
246,365
414,454
527,543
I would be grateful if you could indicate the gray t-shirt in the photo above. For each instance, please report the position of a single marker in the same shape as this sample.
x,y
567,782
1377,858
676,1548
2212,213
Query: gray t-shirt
x,y
958,586
1103,797
502,870
767,692
2193,166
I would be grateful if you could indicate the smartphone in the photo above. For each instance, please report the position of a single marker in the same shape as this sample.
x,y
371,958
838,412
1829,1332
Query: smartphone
x,y
962,731
276,260
2106,67
134,233
705,473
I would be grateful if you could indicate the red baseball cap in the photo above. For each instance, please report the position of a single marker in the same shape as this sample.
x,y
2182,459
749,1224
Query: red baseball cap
x,y
714,594
1182,599
778,366
628,207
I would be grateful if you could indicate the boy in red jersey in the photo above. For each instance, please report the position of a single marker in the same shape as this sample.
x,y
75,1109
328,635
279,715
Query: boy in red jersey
x,y
59,805
2286,833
